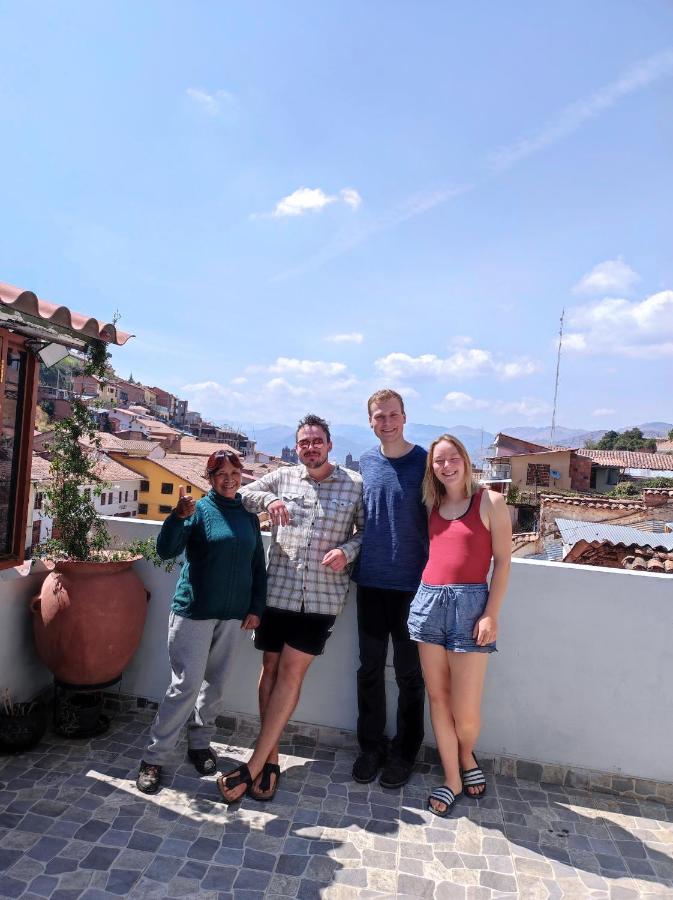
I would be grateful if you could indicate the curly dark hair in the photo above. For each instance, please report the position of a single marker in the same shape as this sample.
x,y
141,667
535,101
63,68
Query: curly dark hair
x,y
310,419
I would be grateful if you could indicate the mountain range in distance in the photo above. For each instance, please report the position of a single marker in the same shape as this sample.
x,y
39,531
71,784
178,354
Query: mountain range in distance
x,y
355,439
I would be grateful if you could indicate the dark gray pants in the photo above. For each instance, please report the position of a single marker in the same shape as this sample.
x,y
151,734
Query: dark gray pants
x,y
201,653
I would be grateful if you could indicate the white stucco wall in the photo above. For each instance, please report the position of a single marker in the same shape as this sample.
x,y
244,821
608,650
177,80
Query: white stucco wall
x,y
583,676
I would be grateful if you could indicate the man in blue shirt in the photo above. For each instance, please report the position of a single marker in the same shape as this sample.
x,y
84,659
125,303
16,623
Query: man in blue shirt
x,y
393,554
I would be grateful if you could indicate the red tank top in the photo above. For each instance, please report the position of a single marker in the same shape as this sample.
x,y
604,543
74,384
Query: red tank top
x,y
460,549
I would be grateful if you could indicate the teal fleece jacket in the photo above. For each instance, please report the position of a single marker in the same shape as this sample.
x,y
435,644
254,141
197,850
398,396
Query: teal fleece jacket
x,y
224,573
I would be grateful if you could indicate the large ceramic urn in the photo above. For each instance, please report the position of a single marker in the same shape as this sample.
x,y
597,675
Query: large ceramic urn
x,y
88,620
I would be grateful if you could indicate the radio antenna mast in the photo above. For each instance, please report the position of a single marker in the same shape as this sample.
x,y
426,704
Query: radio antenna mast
x,y
558,366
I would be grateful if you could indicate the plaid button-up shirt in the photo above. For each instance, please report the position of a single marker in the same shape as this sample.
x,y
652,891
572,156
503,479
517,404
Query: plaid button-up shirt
x,y
323,516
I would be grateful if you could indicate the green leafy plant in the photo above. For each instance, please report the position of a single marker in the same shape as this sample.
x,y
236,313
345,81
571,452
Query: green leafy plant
x,y
79,533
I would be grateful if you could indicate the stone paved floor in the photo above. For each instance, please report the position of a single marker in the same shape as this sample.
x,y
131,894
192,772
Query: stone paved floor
x,y
73,825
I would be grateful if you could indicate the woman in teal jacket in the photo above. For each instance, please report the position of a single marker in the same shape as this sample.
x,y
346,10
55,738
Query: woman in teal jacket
x,y
221,592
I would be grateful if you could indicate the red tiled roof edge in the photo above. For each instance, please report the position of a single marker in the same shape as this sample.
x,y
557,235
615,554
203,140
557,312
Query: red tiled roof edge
x,y
593,501
30,304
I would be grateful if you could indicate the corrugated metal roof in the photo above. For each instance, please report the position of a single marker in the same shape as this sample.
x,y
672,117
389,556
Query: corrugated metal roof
x,y
573,531
26,303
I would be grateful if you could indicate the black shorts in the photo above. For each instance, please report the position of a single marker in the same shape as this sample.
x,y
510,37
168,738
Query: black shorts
x,y
307,632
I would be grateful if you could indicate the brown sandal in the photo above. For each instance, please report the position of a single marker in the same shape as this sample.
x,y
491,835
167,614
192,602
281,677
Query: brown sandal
x,y
234,778
268,770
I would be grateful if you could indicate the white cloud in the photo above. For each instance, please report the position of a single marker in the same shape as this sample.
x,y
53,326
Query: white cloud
x,y
351,198
529,407
461,340
603,411
456,400
310,367
353,337
576,114
305,200
615,326
284,386
239,380
212,104
466,363
610,277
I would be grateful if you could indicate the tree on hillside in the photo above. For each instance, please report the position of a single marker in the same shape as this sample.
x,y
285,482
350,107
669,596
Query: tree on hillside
x,y
670,435
631,439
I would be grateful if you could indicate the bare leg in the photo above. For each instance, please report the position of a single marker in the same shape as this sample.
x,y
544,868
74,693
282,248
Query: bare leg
x,y
468,671
282,702
437,676
267,681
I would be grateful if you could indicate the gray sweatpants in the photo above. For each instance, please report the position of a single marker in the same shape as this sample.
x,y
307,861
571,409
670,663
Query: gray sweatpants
x,y
201,652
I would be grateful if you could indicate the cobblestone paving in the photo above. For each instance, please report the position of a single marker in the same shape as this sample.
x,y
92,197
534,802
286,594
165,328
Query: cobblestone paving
x,y
73,825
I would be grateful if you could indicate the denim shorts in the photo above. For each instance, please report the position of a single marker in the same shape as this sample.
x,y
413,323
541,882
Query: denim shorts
x,y
446,614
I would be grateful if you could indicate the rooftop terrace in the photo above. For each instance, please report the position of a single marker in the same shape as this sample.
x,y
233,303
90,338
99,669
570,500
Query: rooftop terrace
x,y
73,825
578,697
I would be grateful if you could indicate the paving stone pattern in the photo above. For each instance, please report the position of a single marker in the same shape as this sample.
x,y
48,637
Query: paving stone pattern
x,y
72,824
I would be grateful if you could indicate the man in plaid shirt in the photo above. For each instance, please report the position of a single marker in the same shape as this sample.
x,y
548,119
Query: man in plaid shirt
x,y
317,519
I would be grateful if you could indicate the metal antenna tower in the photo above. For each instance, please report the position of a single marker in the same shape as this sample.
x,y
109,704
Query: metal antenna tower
x,y
558,366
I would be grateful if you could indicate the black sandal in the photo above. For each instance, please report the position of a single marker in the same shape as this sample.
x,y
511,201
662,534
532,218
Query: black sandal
x,y
234,778
446,796
204,761
268,770
473,778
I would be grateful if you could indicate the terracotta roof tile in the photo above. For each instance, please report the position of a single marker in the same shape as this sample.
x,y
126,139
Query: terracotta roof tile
x,y
195,447
39,469
593,502
27,303
191,468
629,459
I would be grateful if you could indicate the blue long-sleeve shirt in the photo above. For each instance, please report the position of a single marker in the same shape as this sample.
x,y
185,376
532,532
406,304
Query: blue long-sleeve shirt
x,y
224,573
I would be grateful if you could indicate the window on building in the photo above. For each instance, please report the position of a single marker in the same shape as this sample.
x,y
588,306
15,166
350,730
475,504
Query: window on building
x,y
87,493
109,497
120,497
142,509
103,499
38,501
17,379
165,509
166,487
538,473
144,486
126,496
135,495
188,489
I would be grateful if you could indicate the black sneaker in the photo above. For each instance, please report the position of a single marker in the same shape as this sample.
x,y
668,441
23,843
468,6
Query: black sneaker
x,y
205,761
149,778
396,772
366,766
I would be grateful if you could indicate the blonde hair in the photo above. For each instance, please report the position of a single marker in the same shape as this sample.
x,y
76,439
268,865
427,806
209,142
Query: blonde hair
x,y
433,489
382,396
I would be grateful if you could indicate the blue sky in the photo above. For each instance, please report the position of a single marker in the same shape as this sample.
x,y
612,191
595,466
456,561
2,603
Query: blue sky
x,y
293,204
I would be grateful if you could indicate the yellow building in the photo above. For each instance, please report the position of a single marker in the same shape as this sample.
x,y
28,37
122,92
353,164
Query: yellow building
x,y
161,480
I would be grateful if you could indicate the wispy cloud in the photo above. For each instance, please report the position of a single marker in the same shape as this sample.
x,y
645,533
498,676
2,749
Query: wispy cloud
x,y
610,277
604,411
309,367
528,407
210,103
568,121
305,200
465,363
576,114
353,337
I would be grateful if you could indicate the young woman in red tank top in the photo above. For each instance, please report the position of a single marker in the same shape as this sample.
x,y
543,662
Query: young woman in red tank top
x,y
454,615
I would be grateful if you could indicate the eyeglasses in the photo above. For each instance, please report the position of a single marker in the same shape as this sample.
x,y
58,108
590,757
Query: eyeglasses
x,y
305,444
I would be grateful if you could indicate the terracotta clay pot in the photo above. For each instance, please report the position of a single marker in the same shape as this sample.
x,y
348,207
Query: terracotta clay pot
x,y
88,620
